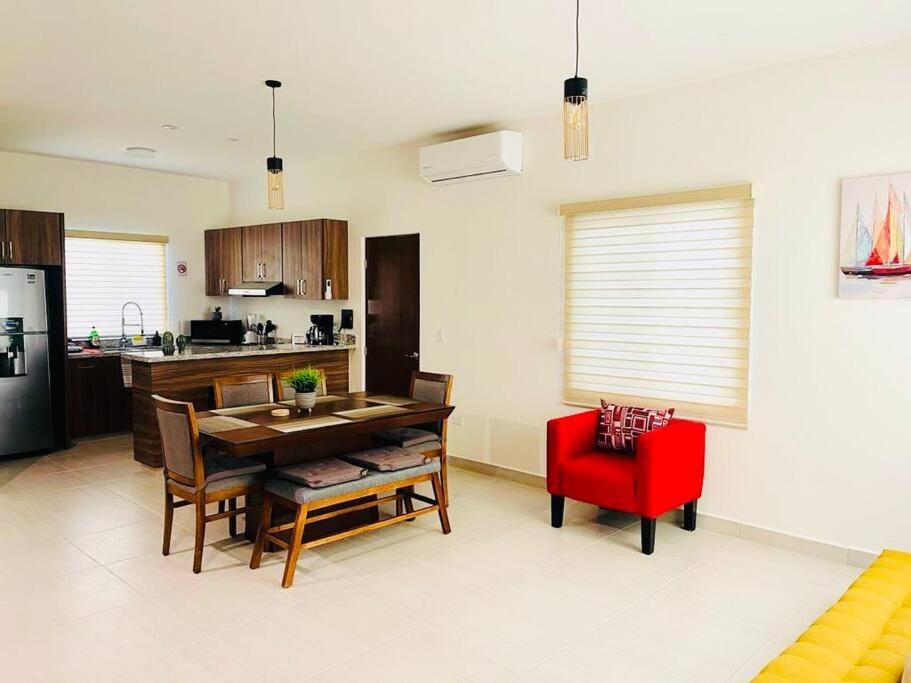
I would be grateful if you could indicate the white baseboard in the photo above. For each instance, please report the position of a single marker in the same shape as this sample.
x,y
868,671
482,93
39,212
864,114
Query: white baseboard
x,y
779,539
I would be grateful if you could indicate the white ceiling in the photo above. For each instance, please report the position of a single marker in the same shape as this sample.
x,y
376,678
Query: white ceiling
x,y
87,79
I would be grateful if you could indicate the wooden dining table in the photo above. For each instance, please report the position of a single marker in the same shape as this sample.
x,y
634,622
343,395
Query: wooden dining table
x,y
337,424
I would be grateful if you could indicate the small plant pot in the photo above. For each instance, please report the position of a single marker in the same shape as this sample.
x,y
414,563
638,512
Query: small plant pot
x,y
305,400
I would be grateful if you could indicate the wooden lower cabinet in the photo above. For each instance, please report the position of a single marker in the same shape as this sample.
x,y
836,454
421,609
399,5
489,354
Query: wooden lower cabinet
x,y
97,402
191,380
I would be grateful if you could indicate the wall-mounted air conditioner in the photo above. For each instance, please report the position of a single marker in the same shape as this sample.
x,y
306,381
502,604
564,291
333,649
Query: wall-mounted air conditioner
x,y
490,155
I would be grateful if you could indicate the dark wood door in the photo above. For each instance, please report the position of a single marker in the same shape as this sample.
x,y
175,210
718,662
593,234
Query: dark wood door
x,y
335,258
213,263
97,402
251,250
230,247
33,238
270,252
302,259
392,312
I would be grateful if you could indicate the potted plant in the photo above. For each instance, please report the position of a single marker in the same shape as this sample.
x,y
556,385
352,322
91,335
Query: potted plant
x,y
304,382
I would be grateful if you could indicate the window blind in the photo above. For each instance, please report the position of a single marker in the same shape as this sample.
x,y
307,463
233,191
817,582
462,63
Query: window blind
x,y
657,302
103,273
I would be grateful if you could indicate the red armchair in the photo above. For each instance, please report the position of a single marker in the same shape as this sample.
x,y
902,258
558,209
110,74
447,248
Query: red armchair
x,y
665,472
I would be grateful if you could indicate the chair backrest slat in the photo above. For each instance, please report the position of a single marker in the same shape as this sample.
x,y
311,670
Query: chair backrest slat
x,y
243,390
432,387
179,441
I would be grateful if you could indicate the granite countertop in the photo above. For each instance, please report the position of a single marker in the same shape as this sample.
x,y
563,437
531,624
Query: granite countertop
x,y
202,352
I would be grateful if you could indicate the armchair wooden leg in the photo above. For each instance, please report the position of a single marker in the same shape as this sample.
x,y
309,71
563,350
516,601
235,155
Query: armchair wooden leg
x,y
200,535
444,470
168,522
265,521
438,494
232,521
689,515
294,548
556,511
648,535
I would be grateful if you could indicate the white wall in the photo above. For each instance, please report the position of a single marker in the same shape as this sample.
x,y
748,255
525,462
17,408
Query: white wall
x,y
825,455
112,198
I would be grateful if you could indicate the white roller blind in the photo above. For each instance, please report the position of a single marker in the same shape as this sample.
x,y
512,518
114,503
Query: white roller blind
x,y
104,273
657,303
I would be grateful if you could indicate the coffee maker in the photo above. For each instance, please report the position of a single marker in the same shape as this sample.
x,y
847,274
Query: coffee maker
x,y
321,334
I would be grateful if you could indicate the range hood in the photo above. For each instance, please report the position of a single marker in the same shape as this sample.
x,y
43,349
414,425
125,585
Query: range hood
x,y
256,288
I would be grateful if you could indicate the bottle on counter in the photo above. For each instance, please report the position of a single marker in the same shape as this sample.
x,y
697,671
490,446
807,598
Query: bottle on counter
x,y
156,339
94,338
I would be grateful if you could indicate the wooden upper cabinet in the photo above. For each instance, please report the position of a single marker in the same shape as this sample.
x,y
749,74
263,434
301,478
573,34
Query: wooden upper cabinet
x,y
335,258
302,259
262,252
223,260
302,255
31,238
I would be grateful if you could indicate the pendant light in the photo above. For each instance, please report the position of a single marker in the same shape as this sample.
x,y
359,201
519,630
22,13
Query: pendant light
x,y
275,185
575,110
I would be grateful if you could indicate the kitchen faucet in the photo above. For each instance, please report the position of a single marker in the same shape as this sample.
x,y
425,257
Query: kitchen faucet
x,y
123,322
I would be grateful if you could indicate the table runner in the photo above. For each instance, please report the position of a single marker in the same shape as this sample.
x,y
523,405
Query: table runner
x,y
222,423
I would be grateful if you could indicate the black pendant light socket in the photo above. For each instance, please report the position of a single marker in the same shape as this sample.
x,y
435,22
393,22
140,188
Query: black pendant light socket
x,y
274,165
575,87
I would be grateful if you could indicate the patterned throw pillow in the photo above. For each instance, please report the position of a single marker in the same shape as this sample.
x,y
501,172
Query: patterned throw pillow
x,y
620,426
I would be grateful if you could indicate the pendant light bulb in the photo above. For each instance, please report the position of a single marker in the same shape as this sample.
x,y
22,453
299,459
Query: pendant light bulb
x,y
275,185
575,110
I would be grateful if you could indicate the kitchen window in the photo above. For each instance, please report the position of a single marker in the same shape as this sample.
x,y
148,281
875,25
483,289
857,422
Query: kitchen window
x,y
104,271
657,302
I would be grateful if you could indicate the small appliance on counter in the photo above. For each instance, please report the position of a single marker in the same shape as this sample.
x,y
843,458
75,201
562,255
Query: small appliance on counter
x,y
222,332
321,334
257,333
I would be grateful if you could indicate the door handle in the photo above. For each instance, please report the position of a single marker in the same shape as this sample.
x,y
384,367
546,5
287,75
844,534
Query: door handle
x,y
264,270
304,292
2,252
10,250
414,355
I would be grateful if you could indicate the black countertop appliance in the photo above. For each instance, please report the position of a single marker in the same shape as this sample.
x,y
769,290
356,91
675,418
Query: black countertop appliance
x,y
228,332
321,334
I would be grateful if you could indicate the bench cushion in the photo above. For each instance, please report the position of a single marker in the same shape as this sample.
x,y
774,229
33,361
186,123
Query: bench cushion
x,y
321,473
305,494
386,458
406,436
427,446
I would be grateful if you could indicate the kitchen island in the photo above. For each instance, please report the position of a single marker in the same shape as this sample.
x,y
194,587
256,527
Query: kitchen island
x,y
188,376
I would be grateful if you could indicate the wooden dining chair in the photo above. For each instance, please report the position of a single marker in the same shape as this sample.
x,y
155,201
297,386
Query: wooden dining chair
x,y
285,392
430,439
197,480
243,390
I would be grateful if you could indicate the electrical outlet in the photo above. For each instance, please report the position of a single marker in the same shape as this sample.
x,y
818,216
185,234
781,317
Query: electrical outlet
x,y
458,421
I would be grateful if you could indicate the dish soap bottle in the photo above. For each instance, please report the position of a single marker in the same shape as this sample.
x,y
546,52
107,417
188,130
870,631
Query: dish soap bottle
x,y
94,338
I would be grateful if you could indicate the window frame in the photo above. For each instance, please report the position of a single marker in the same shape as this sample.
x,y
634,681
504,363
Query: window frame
x,y
744,192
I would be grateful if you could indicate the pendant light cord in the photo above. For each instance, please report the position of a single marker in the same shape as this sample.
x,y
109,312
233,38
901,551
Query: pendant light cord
x,y
577,39
273,121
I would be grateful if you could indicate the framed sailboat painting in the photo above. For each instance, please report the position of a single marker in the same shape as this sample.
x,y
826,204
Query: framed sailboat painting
x,y
875,257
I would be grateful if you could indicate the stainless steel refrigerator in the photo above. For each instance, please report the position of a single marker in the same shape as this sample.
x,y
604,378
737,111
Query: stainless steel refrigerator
x,y
26,422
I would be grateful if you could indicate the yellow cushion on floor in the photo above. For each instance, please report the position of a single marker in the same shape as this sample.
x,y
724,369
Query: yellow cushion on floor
x,y
864,637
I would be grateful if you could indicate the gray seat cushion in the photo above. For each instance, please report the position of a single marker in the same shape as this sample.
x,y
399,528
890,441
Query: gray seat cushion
x,y
386,458
304,494
224,466
321,473
427,446
406,436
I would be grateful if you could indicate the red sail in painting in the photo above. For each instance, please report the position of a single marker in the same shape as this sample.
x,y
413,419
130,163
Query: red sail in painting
x,y
880,254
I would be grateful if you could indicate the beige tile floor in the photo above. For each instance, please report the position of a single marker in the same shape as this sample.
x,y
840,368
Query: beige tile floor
x,y
85,594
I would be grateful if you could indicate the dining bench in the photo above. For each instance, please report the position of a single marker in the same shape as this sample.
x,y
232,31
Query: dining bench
x,y
306,501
